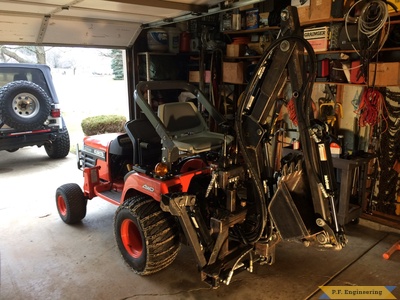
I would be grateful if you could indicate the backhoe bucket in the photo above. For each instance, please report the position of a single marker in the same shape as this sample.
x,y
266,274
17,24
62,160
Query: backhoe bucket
x,y
291,207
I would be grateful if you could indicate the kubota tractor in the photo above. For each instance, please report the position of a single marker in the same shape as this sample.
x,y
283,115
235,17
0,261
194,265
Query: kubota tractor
x,y
219,192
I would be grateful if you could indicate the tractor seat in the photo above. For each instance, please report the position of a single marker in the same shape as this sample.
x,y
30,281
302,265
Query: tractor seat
x,y
146,142
188,129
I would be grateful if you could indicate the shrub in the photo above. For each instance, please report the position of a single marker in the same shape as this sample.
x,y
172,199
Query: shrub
x,y
103,124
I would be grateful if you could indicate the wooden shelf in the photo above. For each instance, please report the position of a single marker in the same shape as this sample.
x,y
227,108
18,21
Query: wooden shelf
x,y
395,19
340,83
157,53
384,219
322,21
348,84
249,31
308,23
248,57
336,20
353,51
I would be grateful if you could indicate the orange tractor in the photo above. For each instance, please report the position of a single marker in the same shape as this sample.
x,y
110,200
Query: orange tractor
x,y
176,182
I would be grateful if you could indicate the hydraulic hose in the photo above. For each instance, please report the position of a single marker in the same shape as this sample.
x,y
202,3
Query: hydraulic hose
x,y
252,91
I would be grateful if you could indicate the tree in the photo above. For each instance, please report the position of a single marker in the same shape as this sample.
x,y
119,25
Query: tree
x,y
117,64
23,54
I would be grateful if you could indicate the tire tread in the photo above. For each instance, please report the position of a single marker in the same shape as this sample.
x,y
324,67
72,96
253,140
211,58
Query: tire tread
x,y
75,202
7,94
60,147
160,232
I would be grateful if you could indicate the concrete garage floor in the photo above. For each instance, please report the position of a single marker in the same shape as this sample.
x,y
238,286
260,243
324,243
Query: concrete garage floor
x,y
43,258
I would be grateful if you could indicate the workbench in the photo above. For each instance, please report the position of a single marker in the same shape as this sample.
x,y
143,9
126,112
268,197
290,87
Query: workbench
x,y
351,176
347,170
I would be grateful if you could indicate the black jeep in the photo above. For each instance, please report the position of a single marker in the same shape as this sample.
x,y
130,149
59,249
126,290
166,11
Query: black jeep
x,y
29,110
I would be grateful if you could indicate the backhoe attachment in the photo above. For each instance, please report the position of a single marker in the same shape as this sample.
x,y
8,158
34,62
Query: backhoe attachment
x,y
302,203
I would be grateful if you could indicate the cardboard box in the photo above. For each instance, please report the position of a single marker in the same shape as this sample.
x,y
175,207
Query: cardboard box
x,y
313,10
304,14
320,10
316,33
319,44
387,74
233,72
318,38
235,50
194,76
303,10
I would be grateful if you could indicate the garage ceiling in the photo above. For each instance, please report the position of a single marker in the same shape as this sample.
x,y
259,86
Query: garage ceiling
x,y
102,23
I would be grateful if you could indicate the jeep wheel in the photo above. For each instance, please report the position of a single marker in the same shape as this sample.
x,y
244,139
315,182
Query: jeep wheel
x,y
24,105
58,148
71,203
147,237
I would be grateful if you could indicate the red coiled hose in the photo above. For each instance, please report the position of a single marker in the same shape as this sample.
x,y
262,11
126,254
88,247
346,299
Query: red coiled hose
x,y
370,108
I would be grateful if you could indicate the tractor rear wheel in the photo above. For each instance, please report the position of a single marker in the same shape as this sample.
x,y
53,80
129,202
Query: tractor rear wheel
x,y
147,237
71,203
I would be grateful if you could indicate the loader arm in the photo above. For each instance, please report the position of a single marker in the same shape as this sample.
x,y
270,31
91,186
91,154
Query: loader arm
x,y
286,62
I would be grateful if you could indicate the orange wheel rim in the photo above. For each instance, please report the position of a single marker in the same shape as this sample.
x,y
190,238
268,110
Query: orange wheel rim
x,y
62,207
131,238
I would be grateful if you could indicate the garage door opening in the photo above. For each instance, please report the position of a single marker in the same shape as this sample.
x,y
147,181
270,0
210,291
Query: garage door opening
x,y
88,81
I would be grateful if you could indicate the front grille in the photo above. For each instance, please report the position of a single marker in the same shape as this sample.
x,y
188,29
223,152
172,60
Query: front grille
x,y
88,161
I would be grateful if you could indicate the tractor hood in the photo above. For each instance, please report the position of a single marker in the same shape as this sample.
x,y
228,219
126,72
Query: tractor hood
x,y
95,23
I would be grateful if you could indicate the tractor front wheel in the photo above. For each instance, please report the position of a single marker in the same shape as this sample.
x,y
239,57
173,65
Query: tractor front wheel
x,y
71,203
147,237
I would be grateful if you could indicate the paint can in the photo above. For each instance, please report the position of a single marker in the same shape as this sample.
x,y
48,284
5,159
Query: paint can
x,y
157,40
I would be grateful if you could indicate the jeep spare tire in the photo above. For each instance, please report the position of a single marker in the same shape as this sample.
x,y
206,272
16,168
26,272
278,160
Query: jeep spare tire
x,y
24,105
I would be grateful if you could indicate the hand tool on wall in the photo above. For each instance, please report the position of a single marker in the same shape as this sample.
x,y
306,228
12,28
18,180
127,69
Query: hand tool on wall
x,y
329,109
